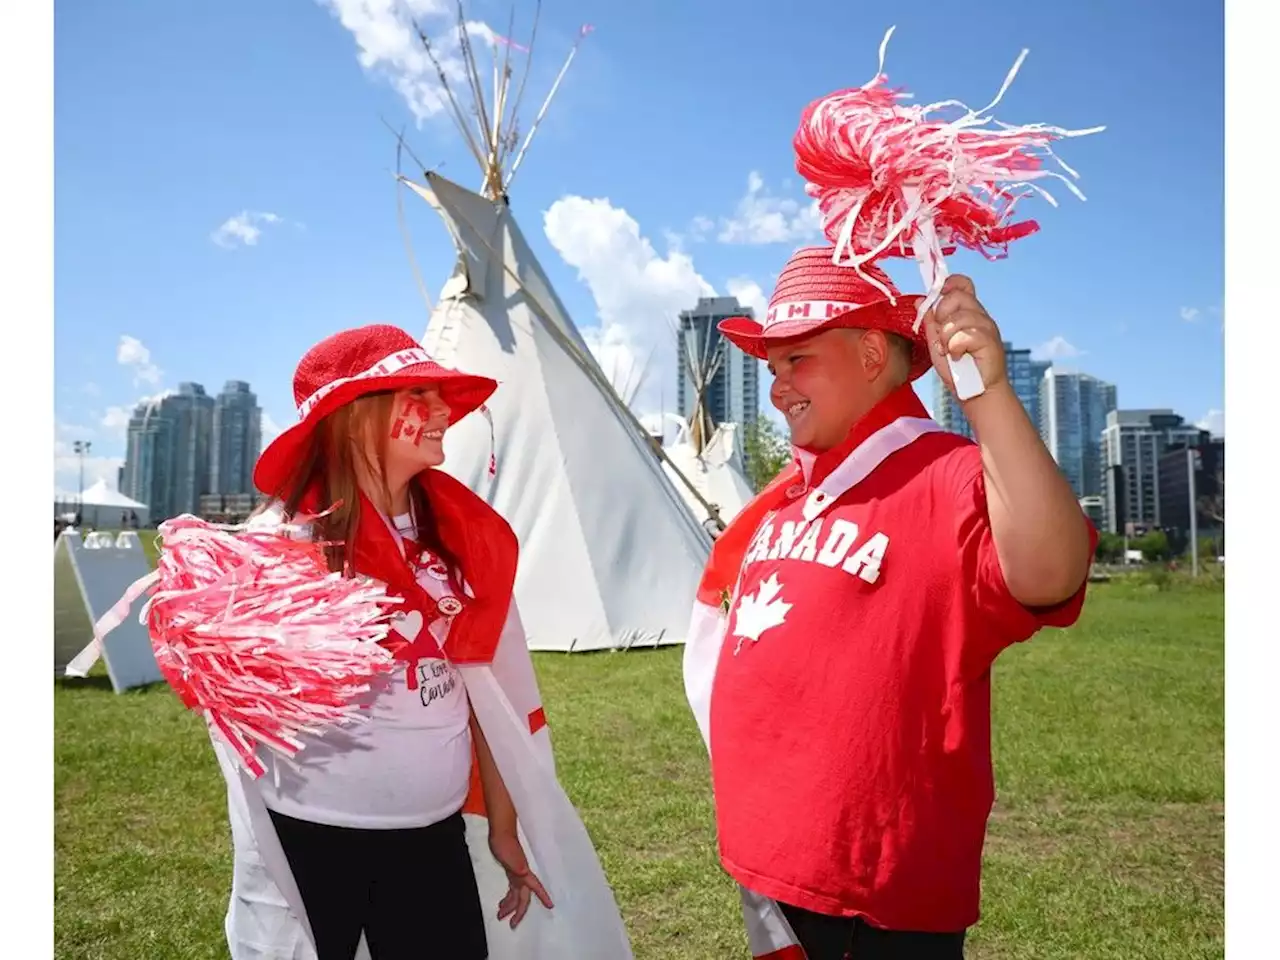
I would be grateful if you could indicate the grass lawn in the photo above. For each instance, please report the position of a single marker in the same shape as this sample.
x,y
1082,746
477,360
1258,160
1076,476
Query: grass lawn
x,y
1107,840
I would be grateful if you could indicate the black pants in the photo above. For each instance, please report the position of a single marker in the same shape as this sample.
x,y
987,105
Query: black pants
x,y
835,938
412,892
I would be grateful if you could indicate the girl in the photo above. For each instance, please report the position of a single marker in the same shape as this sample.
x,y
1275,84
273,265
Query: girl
x,y
371,842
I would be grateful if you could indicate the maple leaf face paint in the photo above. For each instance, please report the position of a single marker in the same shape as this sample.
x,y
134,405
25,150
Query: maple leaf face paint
x,y
419,418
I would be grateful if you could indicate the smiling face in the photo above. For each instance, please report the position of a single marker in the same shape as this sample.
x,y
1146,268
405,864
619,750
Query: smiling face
x,y
419,418
825,383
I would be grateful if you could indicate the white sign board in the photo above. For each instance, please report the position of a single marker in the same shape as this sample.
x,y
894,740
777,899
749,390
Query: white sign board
x,y
89,576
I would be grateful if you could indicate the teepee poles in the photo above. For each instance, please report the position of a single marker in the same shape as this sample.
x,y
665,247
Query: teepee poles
x,y
586,29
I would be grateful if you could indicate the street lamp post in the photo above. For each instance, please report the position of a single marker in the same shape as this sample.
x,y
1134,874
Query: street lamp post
x,y
81,448
1193,457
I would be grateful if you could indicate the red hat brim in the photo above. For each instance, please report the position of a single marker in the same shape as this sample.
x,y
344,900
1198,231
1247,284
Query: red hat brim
x,y
749,336
463,392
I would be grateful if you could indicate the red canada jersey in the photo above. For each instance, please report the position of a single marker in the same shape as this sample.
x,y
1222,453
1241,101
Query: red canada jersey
x,y
850,718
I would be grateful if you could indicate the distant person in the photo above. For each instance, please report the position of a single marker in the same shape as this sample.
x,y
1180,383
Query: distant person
x,y
124,520
133,519
845,689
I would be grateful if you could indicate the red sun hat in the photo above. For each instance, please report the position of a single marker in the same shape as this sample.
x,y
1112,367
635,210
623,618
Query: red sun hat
x,y
813,295
351,364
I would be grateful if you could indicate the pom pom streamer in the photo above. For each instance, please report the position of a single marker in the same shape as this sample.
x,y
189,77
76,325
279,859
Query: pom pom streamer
x,y
252,630
893,180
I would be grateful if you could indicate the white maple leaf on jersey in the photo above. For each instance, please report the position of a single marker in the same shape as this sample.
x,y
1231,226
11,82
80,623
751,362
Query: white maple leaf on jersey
x,y
760,611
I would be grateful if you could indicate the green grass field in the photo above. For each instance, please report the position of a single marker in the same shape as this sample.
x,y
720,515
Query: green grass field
x,y
1106,842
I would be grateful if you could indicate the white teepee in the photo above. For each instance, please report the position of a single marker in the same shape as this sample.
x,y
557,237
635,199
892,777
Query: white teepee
x,y
610,555
716,471
704,452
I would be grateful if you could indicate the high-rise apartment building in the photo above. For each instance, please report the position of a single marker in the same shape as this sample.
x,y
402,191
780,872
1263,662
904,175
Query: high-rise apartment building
x,y
194,416
236,439
170,447
733,395
1024,375
151,458
1133,442
1073,414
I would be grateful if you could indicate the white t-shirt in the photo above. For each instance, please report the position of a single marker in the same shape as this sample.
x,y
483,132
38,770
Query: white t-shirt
x,y
408,766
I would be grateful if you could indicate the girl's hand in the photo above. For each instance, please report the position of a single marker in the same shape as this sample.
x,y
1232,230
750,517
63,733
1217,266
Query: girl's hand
x,y
506,848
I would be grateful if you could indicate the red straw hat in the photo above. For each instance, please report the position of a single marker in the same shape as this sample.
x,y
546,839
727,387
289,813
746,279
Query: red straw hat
x,y
351,364
813,294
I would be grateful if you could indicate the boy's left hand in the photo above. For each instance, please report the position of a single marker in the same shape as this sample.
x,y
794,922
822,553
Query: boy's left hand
x,y
959,324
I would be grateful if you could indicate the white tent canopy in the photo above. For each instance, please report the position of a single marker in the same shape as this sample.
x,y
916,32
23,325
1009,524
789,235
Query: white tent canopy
x,y
101,506
717,472
610,555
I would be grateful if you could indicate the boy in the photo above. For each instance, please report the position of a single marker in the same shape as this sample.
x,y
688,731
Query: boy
x,y
845,691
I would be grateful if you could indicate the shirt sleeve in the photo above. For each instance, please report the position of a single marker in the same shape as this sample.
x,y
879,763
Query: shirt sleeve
x,y
1001,619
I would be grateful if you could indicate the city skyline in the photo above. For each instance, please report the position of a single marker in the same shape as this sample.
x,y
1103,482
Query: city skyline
x,y
167,272
186,445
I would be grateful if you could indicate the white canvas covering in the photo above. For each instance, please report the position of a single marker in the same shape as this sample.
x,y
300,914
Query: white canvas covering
x,y
100,506
717,473
610,556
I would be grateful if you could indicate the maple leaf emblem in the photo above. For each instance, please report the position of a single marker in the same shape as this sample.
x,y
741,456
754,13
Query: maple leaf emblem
x,y
760,612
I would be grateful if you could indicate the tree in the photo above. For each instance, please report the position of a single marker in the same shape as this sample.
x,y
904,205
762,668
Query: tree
x,y
1110,547
767,452
1154,546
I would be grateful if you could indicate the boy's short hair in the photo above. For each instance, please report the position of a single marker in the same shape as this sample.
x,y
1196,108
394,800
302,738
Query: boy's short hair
x,y
900,347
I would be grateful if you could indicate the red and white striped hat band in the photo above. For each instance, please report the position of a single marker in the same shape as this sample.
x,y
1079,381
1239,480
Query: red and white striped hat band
x,y
807,310
813,293
388,366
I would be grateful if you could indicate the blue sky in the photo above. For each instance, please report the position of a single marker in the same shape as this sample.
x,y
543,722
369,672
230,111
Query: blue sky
x,y
664,169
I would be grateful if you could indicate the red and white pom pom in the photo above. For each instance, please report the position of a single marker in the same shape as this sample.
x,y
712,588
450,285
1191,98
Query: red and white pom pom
x,y
903,181
252,630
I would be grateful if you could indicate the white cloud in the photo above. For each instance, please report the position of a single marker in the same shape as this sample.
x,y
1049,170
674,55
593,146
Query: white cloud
x,y
1189,314
638,293
749,294
390,47
1215,422
270,429
243,229
1057,348
67,464
116,419
701,227
133,353
764,218
73,430
628,365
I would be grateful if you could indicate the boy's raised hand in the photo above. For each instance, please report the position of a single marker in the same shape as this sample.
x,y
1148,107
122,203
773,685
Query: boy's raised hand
x,y
958,324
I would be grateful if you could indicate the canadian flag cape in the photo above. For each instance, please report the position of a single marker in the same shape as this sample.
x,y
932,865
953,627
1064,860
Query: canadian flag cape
x,y
768,933
266,919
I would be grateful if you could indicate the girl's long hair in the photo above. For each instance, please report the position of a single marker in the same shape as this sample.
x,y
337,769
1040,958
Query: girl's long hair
x,y
328,471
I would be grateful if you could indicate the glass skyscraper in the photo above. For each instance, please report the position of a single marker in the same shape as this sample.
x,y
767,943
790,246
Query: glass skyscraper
x,y
1134,441
733,395
1024,375
174,455
1073,410
236,440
